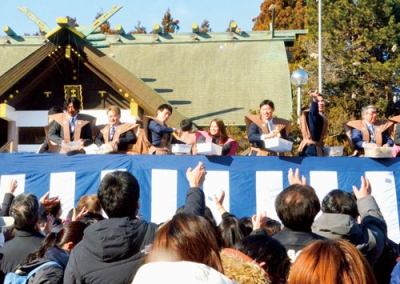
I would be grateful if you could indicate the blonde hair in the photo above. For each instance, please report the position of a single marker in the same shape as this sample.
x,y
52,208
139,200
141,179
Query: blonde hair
x,y
114,109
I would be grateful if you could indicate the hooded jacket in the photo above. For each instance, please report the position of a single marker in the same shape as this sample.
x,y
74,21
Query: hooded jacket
x,y
53,274
369,236
112,250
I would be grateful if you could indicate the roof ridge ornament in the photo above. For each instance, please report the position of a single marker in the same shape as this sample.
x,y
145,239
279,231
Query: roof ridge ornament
x,y
42,25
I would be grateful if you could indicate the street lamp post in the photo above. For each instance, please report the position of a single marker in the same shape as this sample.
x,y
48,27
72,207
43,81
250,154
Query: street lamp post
x,y
299,78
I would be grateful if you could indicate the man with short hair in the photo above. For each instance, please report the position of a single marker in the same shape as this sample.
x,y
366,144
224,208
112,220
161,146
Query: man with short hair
x,y
112,250
70,126
158,133
25,211
119,135
313,126
296,206
265,126
339,220
370,132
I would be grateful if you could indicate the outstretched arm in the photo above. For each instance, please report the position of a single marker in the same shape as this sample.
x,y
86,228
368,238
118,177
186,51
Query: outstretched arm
x,y
195,199
371,239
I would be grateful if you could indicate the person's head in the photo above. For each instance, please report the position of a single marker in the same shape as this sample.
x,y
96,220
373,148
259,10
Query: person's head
x,y
119,194
25,211
164,111
331,262
54,209
246,226
272,226
186,125
113,115
54,110
66,238
340,202
72,106
91,203
269,254
267,109
230,231
321,103
217,129
186,238
297,206
369,114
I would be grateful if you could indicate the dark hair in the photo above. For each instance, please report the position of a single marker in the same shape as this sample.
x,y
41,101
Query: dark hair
x,y
54,110
165,106
267,102
186,124
341,202
223,136
230,231
71,232
297,206
119,193
263,248
188,238
246,226
25,210
75,102
272,226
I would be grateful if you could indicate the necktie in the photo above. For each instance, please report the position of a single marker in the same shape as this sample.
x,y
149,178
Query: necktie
x,y
270,127
72,125
371,133
112,131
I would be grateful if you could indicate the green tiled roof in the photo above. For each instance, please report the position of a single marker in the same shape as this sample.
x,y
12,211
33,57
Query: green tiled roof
x,y
219,75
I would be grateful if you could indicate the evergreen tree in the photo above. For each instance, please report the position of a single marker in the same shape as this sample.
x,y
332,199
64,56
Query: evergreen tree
x,y
360,64
289,15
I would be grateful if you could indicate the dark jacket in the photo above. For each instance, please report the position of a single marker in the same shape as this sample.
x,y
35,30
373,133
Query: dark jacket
x,y
295,241
17,249
52,274
56,133
112,250
124,139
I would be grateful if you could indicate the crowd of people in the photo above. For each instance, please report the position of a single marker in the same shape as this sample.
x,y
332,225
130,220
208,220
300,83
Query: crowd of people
x,y
104,239
70,132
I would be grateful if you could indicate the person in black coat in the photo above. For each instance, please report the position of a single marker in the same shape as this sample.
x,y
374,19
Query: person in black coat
x,y
113,249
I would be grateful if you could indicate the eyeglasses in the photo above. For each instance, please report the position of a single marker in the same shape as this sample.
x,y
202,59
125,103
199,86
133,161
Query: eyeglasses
x,y
372,113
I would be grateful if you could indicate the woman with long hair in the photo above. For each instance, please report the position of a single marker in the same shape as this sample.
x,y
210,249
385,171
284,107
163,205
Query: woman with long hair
x,y
185,249
217,134
55,247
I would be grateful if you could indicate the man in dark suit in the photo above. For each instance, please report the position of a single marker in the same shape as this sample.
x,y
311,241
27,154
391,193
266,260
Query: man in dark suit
x,y
118,134
70,126
370,131
314,126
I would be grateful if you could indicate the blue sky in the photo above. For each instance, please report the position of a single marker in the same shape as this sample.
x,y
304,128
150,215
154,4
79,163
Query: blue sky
x,y
150,12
